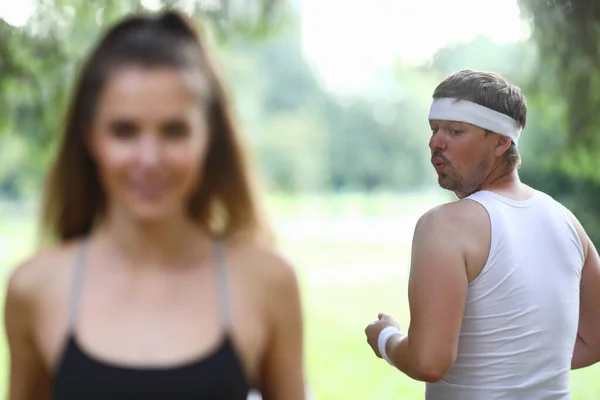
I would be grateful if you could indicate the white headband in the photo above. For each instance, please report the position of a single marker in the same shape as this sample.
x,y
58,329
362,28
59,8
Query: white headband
x,y
450,109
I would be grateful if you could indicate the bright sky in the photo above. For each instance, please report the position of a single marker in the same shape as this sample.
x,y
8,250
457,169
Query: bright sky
x,y
348,41
17,12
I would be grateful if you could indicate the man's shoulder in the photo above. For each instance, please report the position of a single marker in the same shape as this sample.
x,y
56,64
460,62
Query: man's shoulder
x,y
458,229
568,215
459,214
461,224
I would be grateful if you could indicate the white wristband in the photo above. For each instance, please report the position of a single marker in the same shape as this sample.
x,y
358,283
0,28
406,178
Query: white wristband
x,y
384,336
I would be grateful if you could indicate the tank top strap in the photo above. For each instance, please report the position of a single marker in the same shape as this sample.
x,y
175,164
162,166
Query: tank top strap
x,y
481,196
220,264
487,200
76,285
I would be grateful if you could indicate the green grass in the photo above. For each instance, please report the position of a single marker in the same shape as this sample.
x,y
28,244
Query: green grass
x,y
350,270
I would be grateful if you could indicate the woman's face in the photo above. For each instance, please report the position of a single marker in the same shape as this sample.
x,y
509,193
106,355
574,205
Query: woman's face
x,y
149,139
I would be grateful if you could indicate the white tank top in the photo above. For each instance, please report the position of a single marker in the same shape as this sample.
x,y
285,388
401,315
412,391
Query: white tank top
x,y
522,311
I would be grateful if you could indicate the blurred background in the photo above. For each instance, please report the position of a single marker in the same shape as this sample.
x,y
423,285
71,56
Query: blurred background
x,y
333,96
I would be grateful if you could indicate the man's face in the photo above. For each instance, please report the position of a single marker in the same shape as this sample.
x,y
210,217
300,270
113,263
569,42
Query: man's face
x,y
462,155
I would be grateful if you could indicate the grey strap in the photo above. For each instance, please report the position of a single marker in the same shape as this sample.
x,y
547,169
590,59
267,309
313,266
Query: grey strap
x,y
220,264
76,285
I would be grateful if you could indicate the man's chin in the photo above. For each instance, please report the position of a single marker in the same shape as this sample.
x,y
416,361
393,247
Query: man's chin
x,y
444,182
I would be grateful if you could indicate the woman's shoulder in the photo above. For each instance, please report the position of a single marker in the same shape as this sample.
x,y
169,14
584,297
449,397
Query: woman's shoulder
x,y
267,273
38,276
267,265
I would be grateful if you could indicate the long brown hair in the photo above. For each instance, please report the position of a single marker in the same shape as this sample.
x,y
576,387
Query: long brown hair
x,y
226,202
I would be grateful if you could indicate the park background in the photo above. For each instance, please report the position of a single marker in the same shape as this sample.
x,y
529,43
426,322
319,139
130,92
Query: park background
x,y
333,97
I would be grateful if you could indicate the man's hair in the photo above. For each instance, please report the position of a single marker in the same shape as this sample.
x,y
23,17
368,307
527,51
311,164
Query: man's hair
x,y
489,90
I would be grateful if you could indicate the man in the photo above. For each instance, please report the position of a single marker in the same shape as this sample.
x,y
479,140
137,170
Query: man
x,y
504,288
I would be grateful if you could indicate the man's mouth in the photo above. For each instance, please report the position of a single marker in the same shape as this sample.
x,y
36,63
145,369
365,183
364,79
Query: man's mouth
x,y
438,163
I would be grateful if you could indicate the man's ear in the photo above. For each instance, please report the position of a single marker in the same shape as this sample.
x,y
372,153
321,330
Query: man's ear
x,y
502,145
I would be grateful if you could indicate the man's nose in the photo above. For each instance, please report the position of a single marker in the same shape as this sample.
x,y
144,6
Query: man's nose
x,y
438,141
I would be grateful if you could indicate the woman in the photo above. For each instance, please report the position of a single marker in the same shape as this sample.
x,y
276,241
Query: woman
x,y
161,285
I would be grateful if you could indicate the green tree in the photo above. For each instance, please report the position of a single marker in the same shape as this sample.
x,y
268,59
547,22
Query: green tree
x,y
39,60
567,32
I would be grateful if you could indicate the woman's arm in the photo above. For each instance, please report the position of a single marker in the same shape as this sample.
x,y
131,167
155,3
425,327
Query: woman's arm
x,y
283,366
28,377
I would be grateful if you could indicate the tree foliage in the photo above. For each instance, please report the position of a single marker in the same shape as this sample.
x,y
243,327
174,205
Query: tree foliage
x,y
567,33
39,60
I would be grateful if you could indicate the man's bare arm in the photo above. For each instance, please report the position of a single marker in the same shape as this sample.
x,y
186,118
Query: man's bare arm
x,y
437,293
587,345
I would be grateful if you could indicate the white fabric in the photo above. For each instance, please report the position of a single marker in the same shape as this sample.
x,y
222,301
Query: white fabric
x,y
450,109
383,338
521,315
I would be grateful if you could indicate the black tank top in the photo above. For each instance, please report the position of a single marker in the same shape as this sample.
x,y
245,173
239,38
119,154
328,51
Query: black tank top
x,y
218,376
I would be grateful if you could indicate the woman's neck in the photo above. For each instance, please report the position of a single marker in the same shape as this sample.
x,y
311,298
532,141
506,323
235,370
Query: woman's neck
x,y
173,241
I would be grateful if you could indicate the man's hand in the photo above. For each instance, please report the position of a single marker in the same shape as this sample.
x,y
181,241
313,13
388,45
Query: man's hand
x,y
374,329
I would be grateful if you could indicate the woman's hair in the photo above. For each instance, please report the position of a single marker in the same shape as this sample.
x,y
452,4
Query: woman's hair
x,y
226,201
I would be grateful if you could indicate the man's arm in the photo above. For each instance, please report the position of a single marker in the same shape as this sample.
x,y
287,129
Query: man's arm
x,y
437,292
587,346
